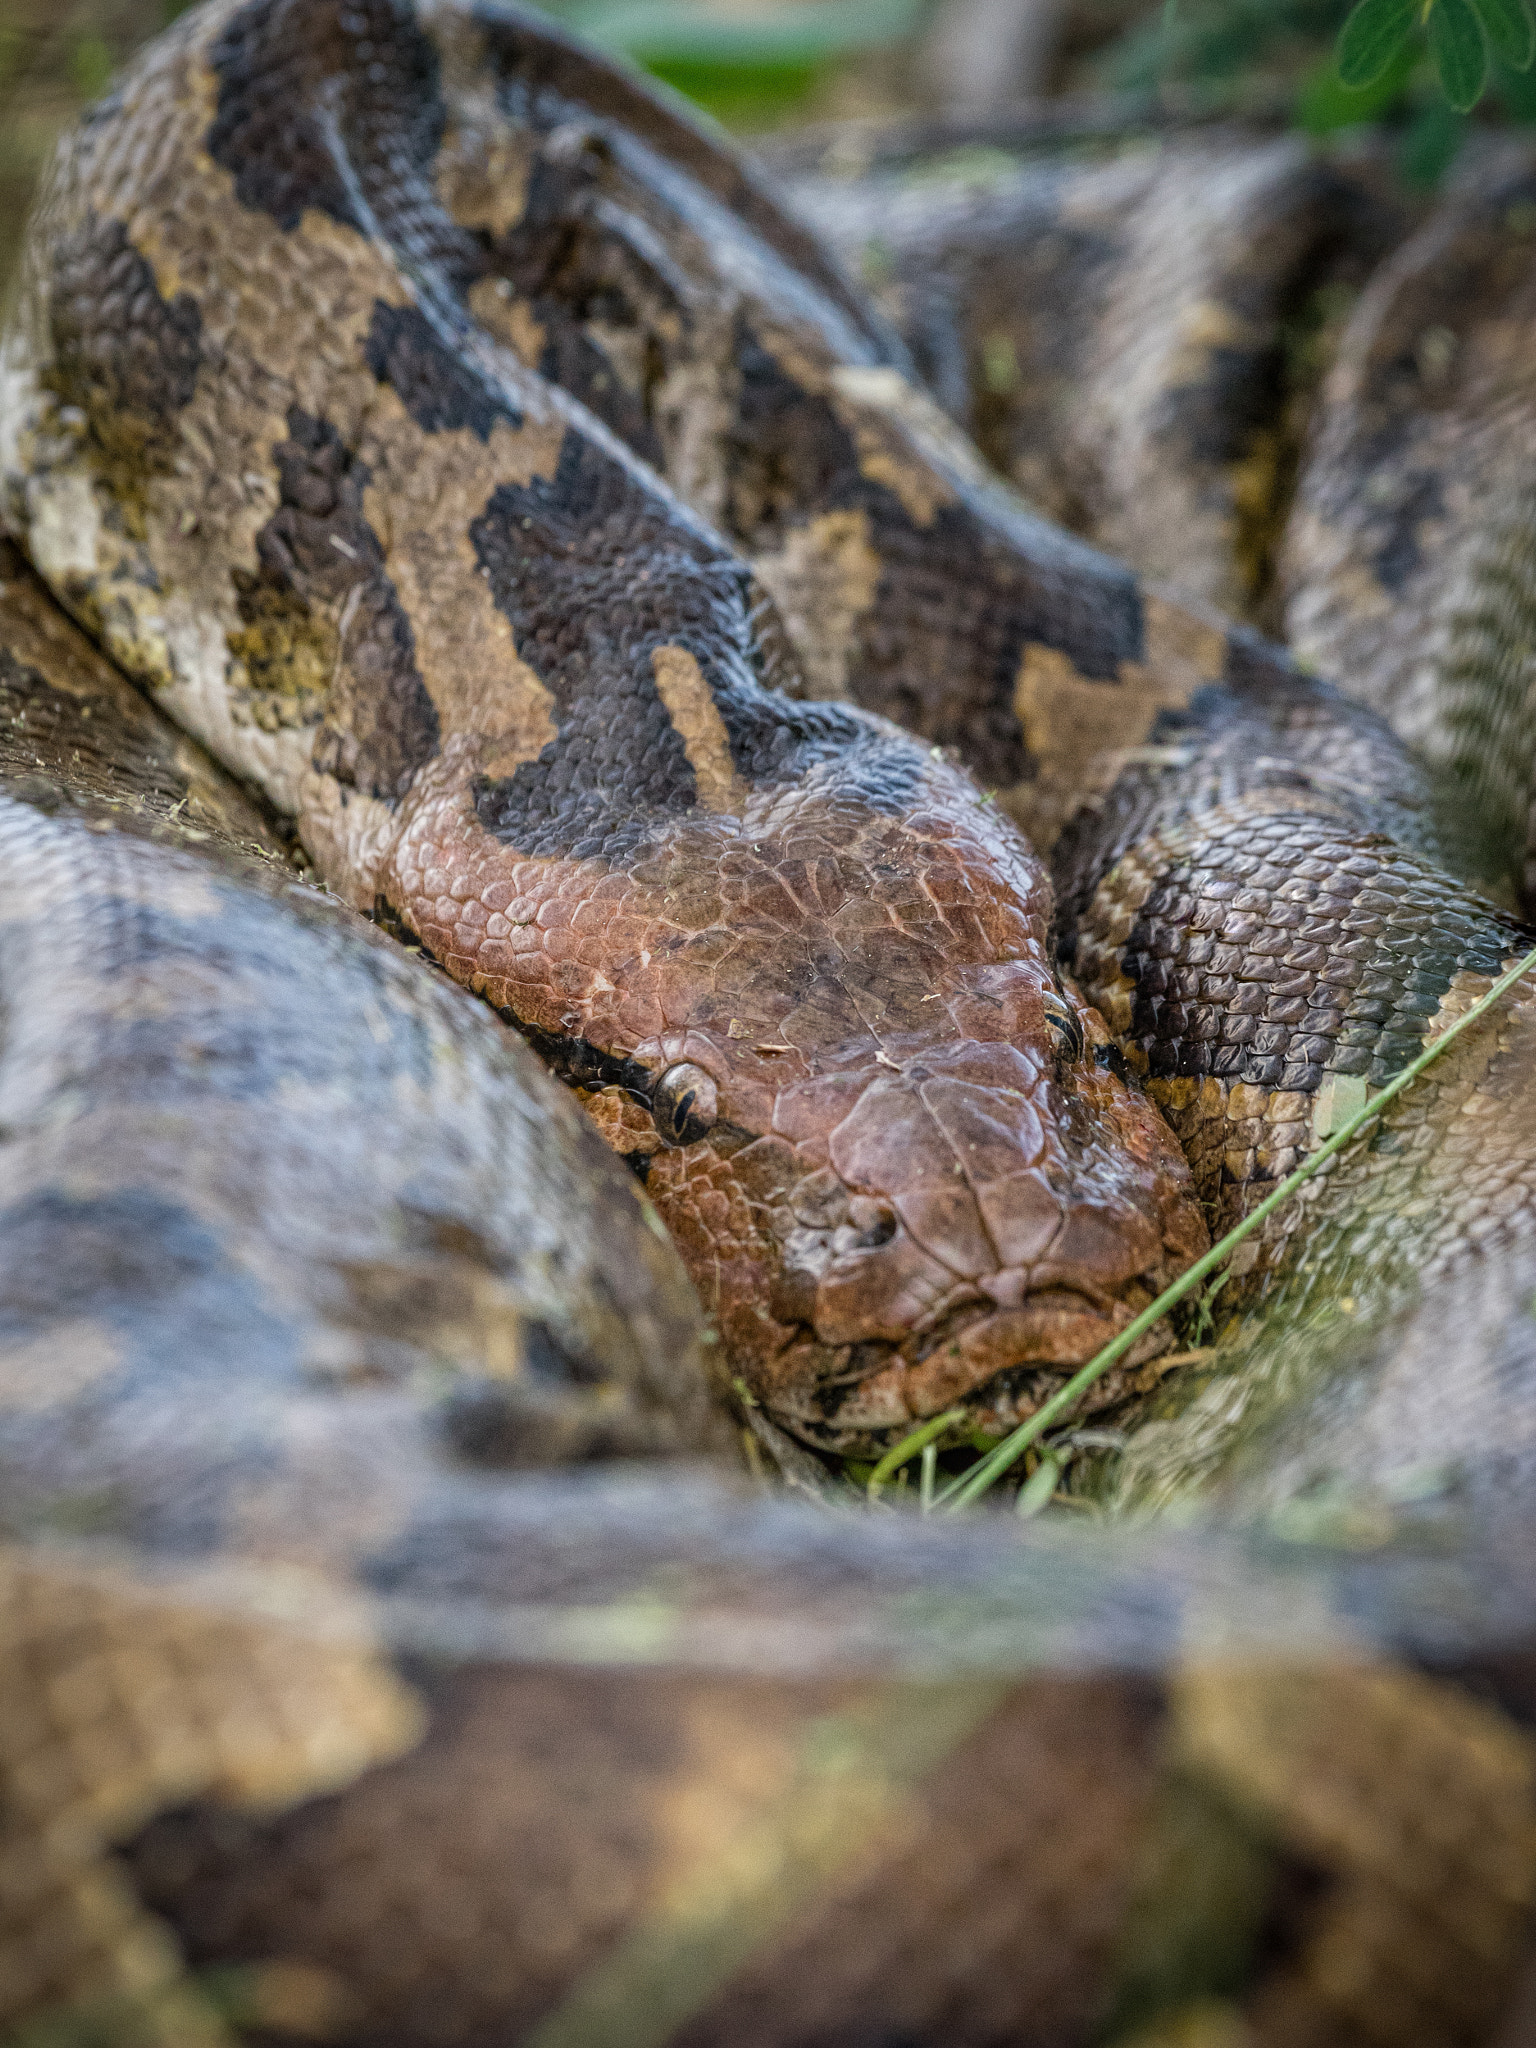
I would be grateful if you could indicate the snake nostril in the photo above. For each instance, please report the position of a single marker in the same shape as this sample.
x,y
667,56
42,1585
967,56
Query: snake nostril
x,y
874,1223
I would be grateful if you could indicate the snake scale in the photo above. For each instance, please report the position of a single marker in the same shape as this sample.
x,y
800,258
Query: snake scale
x,y
481,464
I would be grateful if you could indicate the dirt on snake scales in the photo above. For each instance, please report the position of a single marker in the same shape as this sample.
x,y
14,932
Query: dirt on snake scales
x,y
318,1723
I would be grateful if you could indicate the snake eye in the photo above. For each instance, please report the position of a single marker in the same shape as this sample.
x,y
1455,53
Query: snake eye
x,y
684,1104
1065,1029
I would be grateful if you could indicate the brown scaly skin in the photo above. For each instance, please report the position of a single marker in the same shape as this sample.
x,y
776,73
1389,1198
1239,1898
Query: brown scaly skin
x,y
514,694
1408,559
1258,908
905,1183
253,1161
1111,328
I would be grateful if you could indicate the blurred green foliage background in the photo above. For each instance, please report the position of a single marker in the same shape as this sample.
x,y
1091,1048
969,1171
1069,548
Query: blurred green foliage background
x,y
761,64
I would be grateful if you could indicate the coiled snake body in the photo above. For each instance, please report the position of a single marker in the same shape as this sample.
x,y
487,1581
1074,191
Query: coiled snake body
x,y
268,430
477,461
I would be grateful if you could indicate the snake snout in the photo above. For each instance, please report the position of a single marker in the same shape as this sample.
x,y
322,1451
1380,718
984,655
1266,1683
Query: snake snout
x,y
987,1219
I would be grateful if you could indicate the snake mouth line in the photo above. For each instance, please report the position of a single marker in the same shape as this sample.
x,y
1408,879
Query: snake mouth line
x,y
1000,1364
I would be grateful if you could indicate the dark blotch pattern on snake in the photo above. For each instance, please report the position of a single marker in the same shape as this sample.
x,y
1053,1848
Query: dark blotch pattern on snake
x,y
525,701
525,710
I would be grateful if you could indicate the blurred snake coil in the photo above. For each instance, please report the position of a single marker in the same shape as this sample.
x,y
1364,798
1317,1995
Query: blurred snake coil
x,y
549,580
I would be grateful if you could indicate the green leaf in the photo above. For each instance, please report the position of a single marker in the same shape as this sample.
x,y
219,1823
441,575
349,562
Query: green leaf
x,y
1517,91
1429,144
1038,1489
1371,38
1511,30
1460,53
1326,103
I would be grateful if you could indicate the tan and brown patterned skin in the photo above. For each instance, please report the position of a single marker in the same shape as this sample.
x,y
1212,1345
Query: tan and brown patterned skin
x,y
265,1176
518,1909
1408,556
515,694
1126,334
1259,908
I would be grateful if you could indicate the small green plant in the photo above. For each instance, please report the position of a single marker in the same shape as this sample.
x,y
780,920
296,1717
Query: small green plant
x,y
1413,67
1378,40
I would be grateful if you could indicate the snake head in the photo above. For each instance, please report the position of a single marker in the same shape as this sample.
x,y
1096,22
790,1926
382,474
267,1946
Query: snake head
x,y
821,1015
962,1217
894,1147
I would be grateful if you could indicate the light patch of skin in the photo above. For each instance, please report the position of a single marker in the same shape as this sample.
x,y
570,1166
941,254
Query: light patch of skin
x,y
495,304
873,405
18,412
896,401
823,580
692,416
483,169
883,438
427,491
64,528
1080,731
52,1370
696,718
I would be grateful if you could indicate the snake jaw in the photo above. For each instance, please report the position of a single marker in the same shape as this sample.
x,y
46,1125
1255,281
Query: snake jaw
x,y
871,1108
947,1222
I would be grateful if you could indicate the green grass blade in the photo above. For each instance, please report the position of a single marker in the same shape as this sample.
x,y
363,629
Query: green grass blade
x,y
1038,1490
988,1470
921,1437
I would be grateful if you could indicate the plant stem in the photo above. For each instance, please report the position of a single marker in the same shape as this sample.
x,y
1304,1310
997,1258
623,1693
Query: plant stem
x,y
988,1470
909,1447
930,1469
1036,1494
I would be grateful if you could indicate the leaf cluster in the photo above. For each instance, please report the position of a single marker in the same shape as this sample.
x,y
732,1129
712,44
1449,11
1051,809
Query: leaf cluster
x,y
1463,36
1415,67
